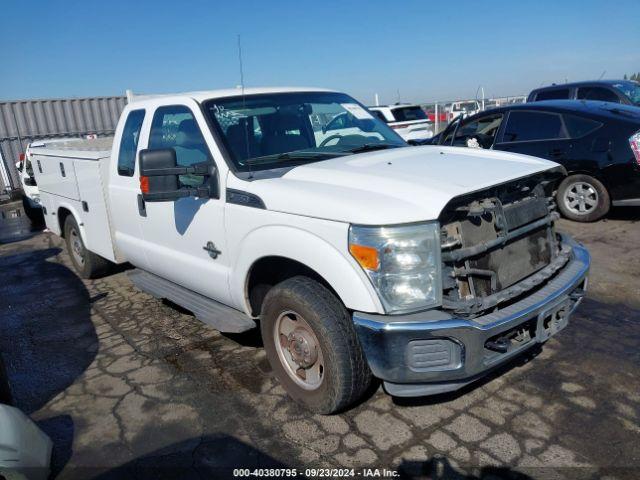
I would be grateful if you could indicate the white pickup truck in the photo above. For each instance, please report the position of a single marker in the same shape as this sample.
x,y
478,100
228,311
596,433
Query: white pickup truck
x,y
359,256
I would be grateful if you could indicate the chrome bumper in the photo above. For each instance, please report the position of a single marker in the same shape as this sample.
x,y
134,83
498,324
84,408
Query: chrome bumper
x,y
434,352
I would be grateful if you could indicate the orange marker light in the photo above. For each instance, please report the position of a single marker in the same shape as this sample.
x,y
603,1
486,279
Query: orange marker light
x,y
367,257
144,184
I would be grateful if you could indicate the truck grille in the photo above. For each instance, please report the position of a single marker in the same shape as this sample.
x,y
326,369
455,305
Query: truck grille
x,y
498,244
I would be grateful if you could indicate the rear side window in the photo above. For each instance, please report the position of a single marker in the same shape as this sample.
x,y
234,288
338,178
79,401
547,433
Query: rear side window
x,y
579,126
555,94
380,115
530,126
408,114
597,93
129,143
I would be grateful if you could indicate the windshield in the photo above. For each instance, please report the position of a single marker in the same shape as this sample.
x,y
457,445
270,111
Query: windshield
x,y
276,130
630,89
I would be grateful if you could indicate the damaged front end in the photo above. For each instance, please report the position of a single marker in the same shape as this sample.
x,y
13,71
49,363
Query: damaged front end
x,y
510,281
499,244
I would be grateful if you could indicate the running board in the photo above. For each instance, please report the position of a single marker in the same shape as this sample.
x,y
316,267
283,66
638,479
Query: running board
x,y
215,314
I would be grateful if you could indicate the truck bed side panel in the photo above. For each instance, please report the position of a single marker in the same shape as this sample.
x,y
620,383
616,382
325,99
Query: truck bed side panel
x,y
95,218
56,175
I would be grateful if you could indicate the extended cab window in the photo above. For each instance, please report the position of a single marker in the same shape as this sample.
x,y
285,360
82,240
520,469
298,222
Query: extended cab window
x,y
528,126
479,133
129,143
175,127
597,93
555,94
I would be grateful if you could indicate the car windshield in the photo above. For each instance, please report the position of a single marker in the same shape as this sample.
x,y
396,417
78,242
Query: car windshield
x,y
630,89
265,131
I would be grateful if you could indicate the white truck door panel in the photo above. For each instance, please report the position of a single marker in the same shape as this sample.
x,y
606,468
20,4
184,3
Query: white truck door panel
x,y
124,186
57,176
177,232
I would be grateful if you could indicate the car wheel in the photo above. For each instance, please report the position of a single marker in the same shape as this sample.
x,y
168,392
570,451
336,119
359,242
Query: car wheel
x,y
34,214
86,263
312,346
583,198
5,390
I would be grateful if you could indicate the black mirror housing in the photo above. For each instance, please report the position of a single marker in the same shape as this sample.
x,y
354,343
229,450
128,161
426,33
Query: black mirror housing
x,y
159,176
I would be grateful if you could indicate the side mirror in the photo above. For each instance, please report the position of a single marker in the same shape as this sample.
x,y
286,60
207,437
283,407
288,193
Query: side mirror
x,y
159,174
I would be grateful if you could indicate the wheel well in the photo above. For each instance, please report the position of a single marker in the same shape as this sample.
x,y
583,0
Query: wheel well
x,y
63,213
597,175
269,271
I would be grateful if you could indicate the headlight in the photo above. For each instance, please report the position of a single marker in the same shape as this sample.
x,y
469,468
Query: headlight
x,y
403,263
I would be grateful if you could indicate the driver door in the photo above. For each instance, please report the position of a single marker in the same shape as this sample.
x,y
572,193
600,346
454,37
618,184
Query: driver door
x,y
185,239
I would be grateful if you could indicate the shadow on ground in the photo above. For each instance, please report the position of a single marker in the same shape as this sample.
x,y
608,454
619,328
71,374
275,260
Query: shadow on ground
x,y
212,456
47,339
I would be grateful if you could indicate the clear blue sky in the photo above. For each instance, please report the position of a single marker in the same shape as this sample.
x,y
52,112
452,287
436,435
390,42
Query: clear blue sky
x,y
428,50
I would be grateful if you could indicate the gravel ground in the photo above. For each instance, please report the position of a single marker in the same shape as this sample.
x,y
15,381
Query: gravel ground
x,y
130,387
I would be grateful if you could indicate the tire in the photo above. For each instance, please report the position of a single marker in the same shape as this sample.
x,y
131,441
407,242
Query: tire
x,y
319,317
583,198
34,214
5,391
86,263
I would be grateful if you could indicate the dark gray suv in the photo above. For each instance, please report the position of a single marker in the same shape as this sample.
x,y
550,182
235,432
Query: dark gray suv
x,y
616,91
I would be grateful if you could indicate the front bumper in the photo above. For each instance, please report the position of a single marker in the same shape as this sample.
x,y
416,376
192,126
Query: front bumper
x,y
434,352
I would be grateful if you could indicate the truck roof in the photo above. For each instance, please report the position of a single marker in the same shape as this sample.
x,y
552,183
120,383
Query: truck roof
x,y
201,96
89,149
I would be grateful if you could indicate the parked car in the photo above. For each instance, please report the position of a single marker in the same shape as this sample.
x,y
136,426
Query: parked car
x,y
360,256
25,450
30,193
616,91
409,121
465,108
597,142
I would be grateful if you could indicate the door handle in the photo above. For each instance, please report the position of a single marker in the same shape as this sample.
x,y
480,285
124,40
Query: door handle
x,y
142,207
212,250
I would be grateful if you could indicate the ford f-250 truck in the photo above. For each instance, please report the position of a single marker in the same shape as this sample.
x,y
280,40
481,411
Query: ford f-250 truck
x,y
359,256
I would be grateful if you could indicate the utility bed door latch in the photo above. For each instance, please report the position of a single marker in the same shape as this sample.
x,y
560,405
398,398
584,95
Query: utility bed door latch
x,y
212,250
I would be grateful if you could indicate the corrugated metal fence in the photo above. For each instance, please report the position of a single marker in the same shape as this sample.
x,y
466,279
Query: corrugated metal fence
x,y
23,121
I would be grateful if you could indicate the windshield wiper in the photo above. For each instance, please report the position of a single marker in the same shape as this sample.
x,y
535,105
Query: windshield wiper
x,y
299,155
369,147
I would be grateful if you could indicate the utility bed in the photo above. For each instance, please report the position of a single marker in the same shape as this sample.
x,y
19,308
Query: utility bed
x,y
73,176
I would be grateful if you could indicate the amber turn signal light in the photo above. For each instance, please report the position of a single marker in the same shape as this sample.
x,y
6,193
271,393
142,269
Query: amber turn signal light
x,y
367,257
144,184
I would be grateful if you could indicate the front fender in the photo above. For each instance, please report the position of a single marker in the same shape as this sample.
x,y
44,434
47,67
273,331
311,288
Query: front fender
x,y
342,273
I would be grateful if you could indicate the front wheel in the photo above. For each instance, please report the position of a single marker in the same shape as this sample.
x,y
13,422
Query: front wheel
x,y
583,198
312,346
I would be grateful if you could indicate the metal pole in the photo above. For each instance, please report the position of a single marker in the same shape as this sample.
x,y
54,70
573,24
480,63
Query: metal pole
x,y
437,119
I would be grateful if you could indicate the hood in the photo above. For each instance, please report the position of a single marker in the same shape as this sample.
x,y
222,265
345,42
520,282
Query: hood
x,y
390,186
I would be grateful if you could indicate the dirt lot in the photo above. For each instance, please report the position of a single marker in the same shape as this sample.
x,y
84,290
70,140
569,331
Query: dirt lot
x,y
130,387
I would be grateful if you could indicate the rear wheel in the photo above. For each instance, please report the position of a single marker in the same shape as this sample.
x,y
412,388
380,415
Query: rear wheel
x,y
312,346
33,214
583,198
5,391
86,263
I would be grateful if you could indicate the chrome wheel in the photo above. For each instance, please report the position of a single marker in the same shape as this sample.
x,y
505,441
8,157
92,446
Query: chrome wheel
x,y
299,350
77,249
580,198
